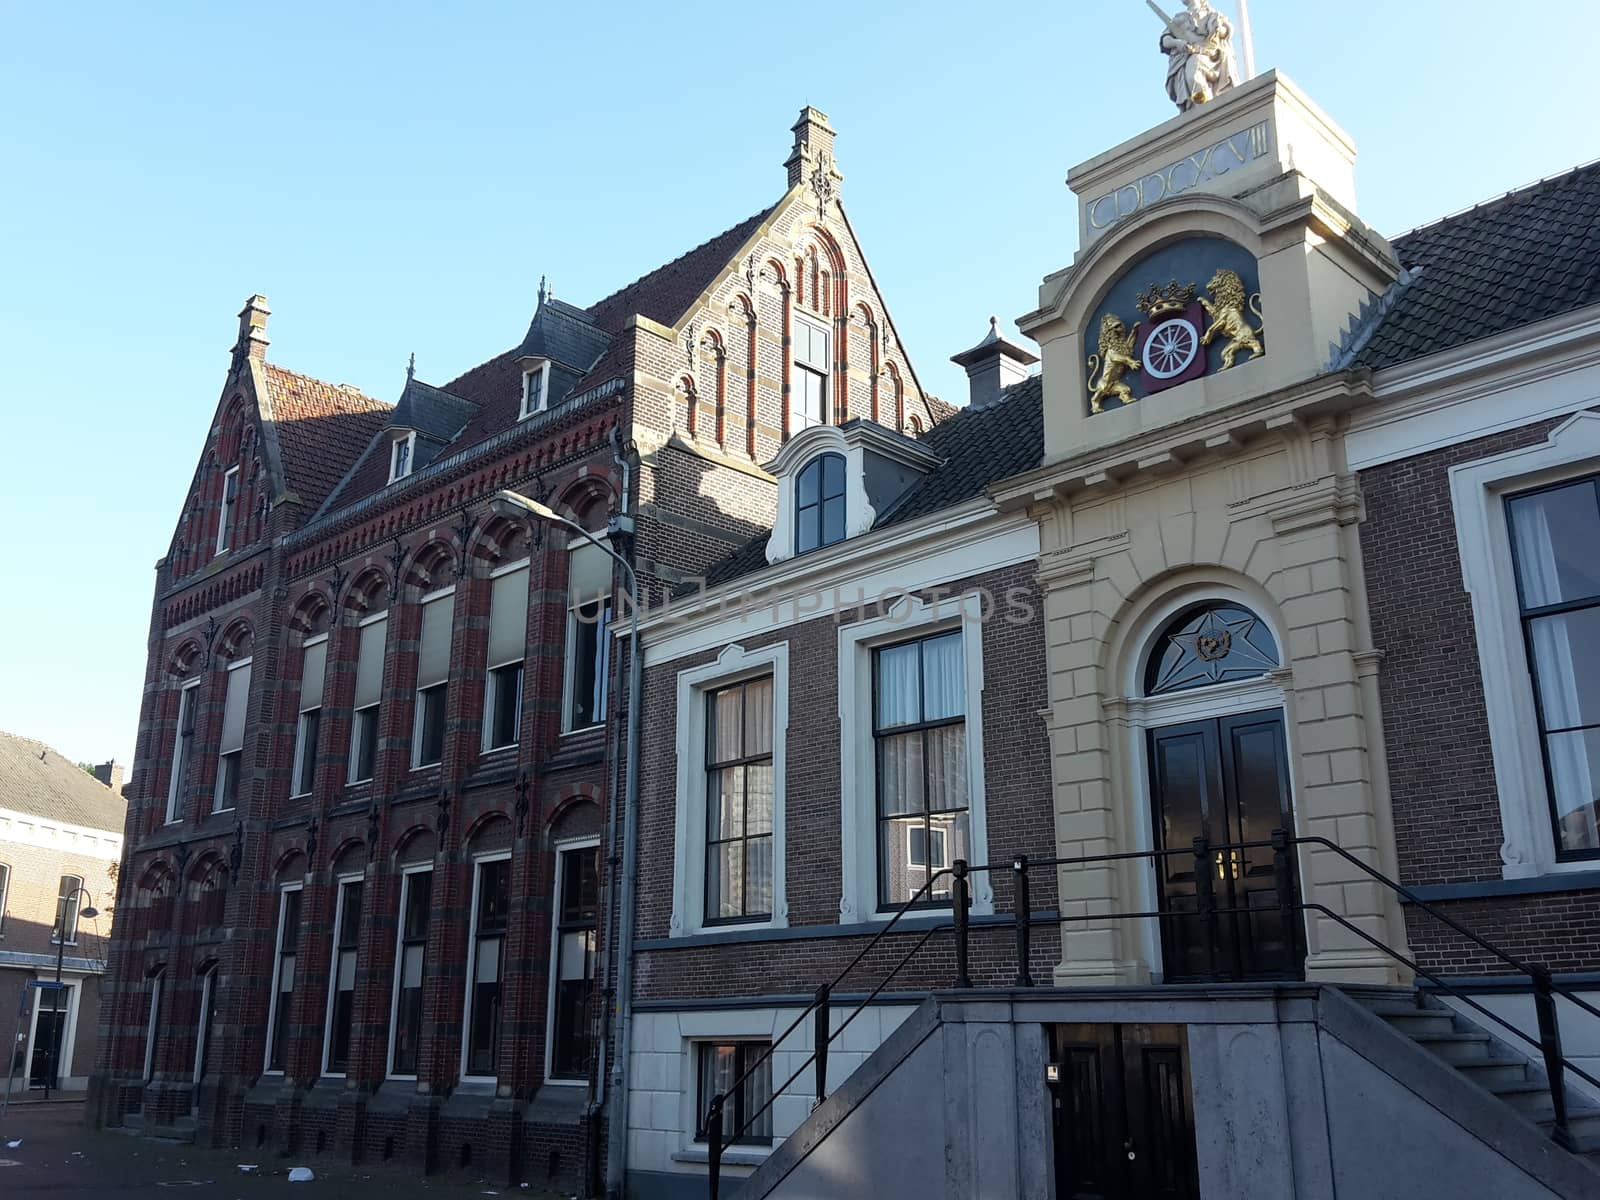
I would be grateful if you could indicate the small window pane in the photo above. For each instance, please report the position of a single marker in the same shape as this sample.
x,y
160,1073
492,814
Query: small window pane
x,y
947,767
727,803
726,726
758,798
832,521
494,895
900,773
726,883
1556,534
758,875
832,475
1566,652
943,678
758,717
899,702
808,486
1575,773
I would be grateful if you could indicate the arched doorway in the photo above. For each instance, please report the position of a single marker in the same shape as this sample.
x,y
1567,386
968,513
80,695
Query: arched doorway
x,y
1218,769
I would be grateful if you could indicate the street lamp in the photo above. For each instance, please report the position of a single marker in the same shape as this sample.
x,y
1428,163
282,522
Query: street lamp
x,y
59,1033
512,505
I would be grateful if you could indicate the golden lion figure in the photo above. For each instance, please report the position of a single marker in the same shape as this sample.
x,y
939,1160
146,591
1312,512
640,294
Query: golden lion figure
x,y
1228,316
1114,360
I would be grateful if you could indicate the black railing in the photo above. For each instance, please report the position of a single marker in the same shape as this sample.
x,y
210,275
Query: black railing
x,y
1206,911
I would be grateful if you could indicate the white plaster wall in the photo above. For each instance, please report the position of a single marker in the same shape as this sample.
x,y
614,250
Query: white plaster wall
x,y
662,1077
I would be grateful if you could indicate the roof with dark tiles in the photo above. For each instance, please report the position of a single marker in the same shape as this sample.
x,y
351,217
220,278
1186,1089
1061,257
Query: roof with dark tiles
x,y
1528,256
35,779
978,446
563,334
431,411
322,429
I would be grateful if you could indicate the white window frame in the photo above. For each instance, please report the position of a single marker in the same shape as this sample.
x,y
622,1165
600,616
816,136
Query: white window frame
x,y
1478,491
226,509
208,984
158,984
221,773
189,693
410,444
805,419
69,1030
57,933
273,1014
472,966
909,619
295,782
406,873
603,645
491,685
355,714
560,848
734,665
333,967
416,693
541,370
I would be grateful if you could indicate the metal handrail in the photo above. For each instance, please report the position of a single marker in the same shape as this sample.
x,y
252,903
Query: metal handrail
x,y
1290,907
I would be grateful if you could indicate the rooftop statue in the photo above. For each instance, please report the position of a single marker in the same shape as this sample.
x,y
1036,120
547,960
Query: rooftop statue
x,y
1198,43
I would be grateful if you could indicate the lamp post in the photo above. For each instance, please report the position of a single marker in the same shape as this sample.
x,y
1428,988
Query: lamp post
x,y
512,504
91,912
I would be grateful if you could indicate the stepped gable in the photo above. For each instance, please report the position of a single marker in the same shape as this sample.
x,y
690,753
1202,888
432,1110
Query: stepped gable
x,y
1530,255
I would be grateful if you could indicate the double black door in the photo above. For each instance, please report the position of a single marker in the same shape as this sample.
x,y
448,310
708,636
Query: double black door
x,y
1226,780
1123,1116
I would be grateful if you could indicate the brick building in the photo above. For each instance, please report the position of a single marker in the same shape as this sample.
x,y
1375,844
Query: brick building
x,y
362,889
60,843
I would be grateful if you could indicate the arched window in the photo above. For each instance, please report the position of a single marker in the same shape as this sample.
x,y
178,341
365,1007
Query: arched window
x,y
819,503
1209,643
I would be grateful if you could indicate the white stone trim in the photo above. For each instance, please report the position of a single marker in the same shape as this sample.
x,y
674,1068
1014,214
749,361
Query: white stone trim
x,y
733,665
273,1015
29,829
406,873
907,620
1477,490
478,861
333,968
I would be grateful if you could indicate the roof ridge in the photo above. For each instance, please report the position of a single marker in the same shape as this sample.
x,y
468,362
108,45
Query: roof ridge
x,y
604,300
1504,199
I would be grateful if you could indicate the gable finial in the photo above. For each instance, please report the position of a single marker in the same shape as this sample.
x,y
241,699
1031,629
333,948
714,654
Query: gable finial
x,y
411,367
543,291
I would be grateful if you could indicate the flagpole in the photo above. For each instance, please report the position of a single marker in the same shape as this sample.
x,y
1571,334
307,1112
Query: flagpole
x,y
1247,50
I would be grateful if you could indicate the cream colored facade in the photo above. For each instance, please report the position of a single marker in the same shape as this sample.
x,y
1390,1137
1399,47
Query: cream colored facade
x,y
1231,486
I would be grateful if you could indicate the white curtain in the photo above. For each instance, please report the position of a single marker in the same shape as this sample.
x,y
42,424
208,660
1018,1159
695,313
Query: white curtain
x,y
1558,669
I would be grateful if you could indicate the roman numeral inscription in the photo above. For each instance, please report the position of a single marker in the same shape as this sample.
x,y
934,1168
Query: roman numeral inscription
x,y
1184,175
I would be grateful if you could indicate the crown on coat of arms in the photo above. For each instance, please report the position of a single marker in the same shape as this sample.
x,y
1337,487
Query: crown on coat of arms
x,y
1159,301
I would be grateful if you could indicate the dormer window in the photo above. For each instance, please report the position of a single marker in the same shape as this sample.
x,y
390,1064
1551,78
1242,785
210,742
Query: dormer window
x,y
819,503
535,388
813,367
401,457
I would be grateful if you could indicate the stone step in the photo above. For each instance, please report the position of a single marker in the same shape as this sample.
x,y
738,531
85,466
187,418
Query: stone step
x,y
1456,1048
1418,1020
1494,1071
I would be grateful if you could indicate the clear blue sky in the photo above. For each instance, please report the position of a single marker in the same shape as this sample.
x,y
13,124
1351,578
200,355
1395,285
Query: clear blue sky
x,y
395,177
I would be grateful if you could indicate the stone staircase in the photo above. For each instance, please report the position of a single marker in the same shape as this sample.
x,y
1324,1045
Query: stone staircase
x,y
1503,1068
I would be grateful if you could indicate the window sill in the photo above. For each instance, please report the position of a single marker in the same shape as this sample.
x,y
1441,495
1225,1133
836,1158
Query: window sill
x,y
1567,877
355,783
300,795
493,751
432,766
738,1156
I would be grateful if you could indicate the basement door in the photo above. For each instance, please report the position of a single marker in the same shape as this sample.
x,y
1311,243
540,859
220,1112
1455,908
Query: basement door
x,y
1122,1113
1225,779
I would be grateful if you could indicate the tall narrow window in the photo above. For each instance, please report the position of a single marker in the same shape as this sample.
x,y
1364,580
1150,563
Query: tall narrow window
x,y
819,503
369,691
508,625
813,365
5,889
400,457
152,1028
283,965
739,802
312,667
588,636
1555,538
230,762
719,1065
534,387
342,978
416,894
577,908
433,674
182,750
230,504
919,727
69,900
208,1023
491,903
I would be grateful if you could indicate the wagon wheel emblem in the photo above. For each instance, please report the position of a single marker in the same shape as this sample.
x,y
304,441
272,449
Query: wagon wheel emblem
x,y
1171,347
1211,647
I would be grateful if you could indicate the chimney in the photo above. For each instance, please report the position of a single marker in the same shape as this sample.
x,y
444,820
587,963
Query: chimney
x,y
811,160
252,329
110,774
993,365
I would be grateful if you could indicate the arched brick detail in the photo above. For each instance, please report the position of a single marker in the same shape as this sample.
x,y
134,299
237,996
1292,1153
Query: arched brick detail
x,y
290,865
431,566
418,844
349,855
491,831
369,592
311,613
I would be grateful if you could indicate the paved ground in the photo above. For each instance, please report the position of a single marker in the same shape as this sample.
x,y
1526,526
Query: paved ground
x,y
59,1158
